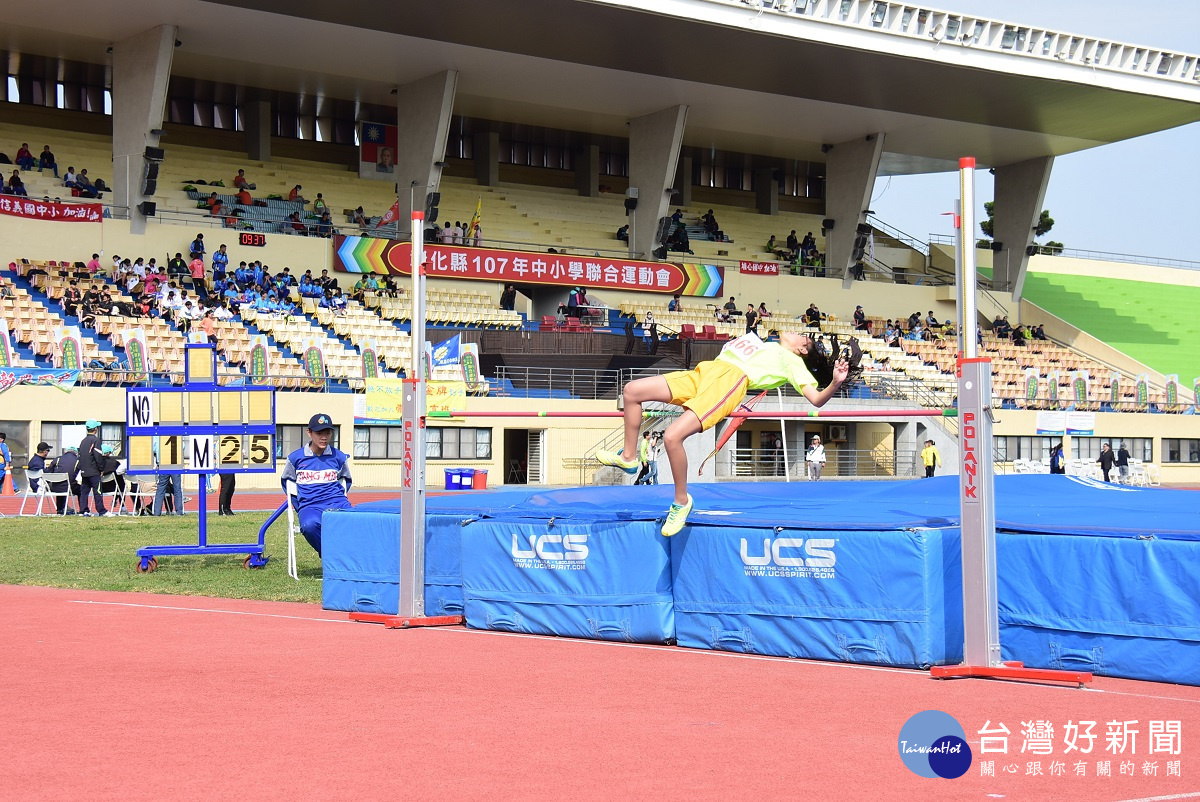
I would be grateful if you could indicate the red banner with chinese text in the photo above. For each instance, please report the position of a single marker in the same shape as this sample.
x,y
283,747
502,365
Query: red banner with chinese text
x,y
759,268
51,210
372,255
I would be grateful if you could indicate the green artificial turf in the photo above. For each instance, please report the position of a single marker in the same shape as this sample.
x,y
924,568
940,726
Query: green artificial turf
x,y
100,554
1156,324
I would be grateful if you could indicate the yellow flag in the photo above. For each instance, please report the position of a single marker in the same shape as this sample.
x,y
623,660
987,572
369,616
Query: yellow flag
x,y
474,226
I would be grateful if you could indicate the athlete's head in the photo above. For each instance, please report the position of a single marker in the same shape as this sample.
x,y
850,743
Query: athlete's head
x,y
320,431
799,343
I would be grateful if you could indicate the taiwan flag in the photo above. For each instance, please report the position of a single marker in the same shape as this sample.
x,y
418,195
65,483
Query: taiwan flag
x,y
377,149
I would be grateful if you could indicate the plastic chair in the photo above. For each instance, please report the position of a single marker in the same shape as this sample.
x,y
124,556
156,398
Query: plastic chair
x,y
29,493
44,492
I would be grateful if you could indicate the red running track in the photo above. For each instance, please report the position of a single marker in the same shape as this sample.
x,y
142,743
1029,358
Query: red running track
x,y
139,696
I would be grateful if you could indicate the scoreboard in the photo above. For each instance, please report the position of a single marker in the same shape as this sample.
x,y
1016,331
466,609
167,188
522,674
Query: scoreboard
x,y
200,427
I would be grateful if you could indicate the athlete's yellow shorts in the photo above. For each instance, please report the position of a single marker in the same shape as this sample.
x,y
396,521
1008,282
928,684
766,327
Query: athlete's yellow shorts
x,y
711,390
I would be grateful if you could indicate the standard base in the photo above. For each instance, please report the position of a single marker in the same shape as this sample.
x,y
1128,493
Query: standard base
x,y
406,622
1014,670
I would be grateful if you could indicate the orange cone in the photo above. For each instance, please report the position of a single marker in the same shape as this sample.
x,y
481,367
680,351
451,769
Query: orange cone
x,y
6,488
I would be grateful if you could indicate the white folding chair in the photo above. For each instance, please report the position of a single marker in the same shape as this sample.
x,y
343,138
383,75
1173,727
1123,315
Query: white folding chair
x,y
30,477
111,495
44,492
293,528
143,496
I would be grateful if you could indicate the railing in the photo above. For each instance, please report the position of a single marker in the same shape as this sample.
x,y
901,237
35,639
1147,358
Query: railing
x,y
758,464
980,33
1099,256
898,235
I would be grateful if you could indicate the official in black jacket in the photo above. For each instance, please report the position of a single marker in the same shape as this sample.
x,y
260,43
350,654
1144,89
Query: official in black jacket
x,y
68,463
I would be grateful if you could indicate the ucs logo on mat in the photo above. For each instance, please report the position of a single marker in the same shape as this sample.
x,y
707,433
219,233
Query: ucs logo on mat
x,y
550,552
933,744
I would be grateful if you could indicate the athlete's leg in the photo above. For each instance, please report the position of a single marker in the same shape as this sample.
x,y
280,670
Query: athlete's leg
x,y
674,437
637,392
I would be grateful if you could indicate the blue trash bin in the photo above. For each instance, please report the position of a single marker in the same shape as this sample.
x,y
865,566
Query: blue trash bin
x,y
466,478
453,481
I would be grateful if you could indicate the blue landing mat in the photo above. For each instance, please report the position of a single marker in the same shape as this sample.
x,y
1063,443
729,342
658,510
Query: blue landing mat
x,y
1091,575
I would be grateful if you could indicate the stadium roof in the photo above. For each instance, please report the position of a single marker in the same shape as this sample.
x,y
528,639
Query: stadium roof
x,y
757,80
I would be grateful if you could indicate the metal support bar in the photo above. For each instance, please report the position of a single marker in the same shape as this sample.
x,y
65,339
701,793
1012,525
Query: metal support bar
x,y
834,414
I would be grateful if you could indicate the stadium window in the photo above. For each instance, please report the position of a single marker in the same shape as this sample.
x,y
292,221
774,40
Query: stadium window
x,y
60,95
458,443
378,442
1088,448
289,437
14,91
108,102
1014,447
110,433
1178,450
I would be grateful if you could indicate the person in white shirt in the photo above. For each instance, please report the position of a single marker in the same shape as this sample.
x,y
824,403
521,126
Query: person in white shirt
x,y
139,269
458,233
815,456
69,179
446,235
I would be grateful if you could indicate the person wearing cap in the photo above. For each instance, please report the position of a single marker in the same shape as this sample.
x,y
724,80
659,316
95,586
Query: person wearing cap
x,y
68,463
91,460
111,465
860,320
37,466
322,477
815,457
709,393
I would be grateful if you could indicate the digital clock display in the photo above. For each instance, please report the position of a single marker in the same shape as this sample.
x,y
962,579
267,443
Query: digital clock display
x,y
252,239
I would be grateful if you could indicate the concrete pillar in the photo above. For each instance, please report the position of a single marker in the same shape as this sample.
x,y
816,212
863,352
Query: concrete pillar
x,y
587,171
258,121
851,168
141,70
683,182
766,191
1020,192
905,442
654,141
487,158
423,119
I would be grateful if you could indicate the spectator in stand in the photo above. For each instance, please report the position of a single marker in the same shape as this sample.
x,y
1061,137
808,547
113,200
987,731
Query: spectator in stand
x,y
244,197
220,263
298,226
295,197
793,243
675,305
359,217
209,324
240,181
85,186
623,233
763,314
446,235
812,315
46,161
197,246
196,270
771,243
213,203
326,281
358,290
731,307
70,179
710,224
71,299
508,298
93,267
325,226
1039,333
15,185
286,279
677,218
319,205
25,159
751,319
931,321
809,243
860,320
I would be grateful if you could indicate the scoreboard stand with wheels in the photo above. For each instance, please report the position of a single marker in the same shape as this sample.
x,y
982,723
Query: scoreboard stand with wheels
x,y
200,428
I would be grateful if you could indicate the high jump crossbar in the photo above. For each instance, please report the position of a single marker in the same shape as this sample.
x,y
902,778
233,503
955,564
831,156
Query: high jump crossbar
x,y
811,413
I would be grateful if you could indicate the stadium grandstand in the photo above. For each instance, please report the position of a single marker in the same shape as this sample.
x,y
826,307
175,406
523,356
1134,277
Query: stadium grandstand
x,y
638,198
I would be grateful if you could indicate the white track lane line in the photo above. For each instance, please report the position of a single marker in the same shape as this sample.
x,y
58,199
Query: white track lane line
x,y
641,646
912,672
211,610
1190,795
